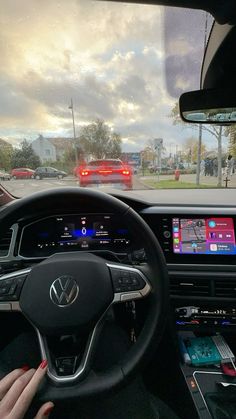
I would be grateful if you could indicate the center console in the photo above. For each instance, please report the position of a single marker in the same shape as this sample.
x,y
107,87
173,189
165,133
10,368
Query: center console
x,y
199,245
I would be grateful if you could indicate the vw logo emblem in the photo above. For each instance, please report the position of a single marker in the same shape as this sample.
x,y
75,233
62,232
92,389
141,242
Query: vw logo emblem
x,y
64,291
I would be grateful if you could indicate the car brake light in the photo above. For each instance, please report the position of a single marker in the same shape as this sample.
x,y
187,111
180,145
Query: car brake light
x,y
125,172
84,172
105,171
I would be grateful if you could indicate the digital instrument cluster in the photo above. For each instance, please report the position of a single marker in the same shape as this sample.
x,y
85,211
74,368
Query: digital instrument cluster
x,y
73,232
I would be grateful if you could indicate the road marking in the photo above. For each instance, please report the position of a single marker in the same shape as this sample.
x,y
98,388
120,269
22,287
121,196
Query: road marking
x,y
34,184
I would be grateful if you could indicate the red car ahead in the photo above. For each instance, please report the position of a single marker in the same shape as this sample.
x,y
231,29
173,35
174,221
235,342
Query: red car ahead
x,y
22,173
103,172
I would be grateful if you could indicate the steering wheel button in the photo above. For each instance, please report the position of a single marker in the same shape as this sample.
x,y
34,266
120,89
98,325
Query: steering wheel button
x,y
20,280
66,365
115,274
12,289
4,291
125,274
137,280
4,298
9,281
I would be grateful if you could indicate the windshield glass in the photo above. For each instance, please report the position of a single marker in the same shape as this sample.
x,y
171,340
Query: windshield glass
x,y
83,81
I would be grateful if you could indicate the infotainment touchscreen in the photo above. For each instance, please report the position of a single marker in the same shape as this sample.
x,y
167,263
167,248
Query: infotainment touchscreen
x,y
210,236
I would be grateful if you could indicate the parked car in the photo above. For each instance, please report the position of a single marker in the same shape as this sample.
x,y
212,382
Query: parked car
x,y
103,172
22,173
4,175
162,169
49,172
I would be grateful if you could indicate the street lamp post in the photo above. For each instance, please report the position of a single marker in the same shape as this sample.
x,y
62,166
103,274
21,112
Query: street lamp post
x,y
73,122
199,151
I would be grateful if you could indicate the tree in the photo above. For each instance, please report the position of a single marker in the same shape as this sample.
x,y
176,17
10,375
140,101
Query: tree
x,y
191,149
25,156
216,131
230,132
97,139
5,155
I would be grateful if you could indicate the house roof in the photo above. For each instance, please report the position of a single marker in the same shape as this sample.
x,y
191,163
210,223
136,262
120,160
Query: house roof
x,y
4,144
60,143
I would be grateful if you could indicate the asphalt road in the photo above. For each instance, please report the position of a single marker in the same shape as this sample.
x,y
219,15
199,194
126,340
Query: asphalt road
x,y
24,187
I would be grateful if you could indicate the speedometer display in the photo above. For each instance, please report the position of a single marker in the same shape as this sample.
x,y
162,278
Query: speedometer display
x,y
73,232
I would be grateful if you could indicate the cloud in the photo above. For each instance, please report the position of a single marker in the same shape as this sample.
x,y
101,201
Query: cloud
x,y
123,63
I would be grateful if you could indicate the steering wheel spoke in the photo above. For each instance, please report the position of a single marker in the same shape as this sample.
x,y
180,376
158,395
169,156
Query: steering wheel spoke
x,y
10,289
129,283
72,365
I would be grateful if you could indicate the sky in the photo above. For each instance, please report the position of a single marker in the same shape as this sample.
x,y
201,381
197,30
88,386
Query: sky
x,y
126,64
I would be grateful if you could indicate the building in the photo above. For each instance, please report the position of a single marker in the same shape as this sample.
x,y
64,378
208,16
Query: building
x,y
4,145
133,159
51,149
148,156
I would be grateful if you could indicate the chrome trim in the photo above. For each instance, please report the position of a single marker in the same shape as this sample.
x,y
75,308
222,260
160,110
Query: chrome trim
x,y
189,210
82,369
204,372
15,274
10,306
57,297
15,306
5,306
14,229
130,295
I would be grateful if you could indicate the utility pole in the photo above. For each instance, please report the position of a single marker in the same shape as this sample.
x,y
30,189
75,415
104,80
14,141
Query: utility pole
x,y
199,155
219,183
199,151
73,123
158,146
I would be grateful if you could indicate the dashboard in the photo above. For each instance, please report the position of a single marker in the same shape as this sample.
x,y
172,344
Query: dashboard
x,y
198,242
183,237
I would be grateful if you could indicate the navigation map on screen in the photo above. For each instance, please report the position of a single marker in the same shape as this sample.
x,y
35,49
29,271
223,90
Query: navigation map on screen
x,y
203,236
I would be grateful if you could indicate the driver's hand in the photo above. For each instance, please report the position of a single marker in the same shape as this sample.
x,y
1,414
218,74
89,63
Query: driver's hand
x,y
17,390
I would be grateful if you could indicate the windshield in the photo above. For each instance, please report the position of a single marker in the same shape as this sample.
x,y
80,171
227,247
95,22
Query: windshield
x,y
84,82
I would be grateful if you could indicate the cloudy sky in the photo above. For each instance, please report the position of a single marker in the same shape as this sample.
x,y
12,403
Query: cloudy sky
x,y
126,64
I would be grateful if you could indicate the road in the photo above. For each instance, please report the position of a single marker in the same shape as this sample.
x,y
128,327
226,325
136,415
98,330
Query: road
x,y
24,187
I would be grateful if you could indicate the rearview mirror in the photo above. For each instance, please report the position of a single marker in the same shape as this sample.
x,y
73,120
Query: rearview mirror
x,y
209,106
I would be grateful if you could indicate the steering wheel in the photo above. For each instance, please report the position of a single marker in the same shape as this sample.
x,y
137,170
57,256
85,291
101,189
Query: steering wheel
x,y
70,293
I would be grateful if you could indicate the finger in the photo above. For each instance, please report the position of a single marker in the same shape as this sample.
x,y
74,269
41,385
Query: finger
x,y
28,393
44,411
15,391
9,379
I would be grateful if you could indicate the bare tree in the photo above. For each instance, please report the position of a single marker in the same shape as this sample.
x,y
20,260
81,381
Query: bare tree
x,y
216,131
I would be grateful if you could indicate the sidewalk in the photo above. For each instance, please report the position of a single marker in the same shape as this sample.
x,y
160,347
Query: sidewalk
x,y
206,180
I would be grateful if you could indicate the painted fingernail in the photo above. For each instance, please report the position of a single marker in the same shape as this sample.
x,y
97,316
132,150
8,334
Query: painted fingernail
x,y
48,411
25,368
43,364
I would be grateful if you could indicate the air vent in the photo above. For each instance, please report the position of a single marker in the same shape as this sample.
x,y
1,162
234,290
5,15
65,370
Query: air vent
x,y
225,288
190,287
5,242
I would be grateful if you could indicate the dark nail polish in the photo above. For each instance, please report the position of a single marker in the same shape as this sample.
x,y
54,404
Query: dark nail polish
x,y
25,368
43,364
48,410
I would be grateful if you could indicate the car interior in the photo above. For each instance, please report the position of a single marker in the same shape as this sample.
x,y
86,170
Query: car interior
x,y
127,320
